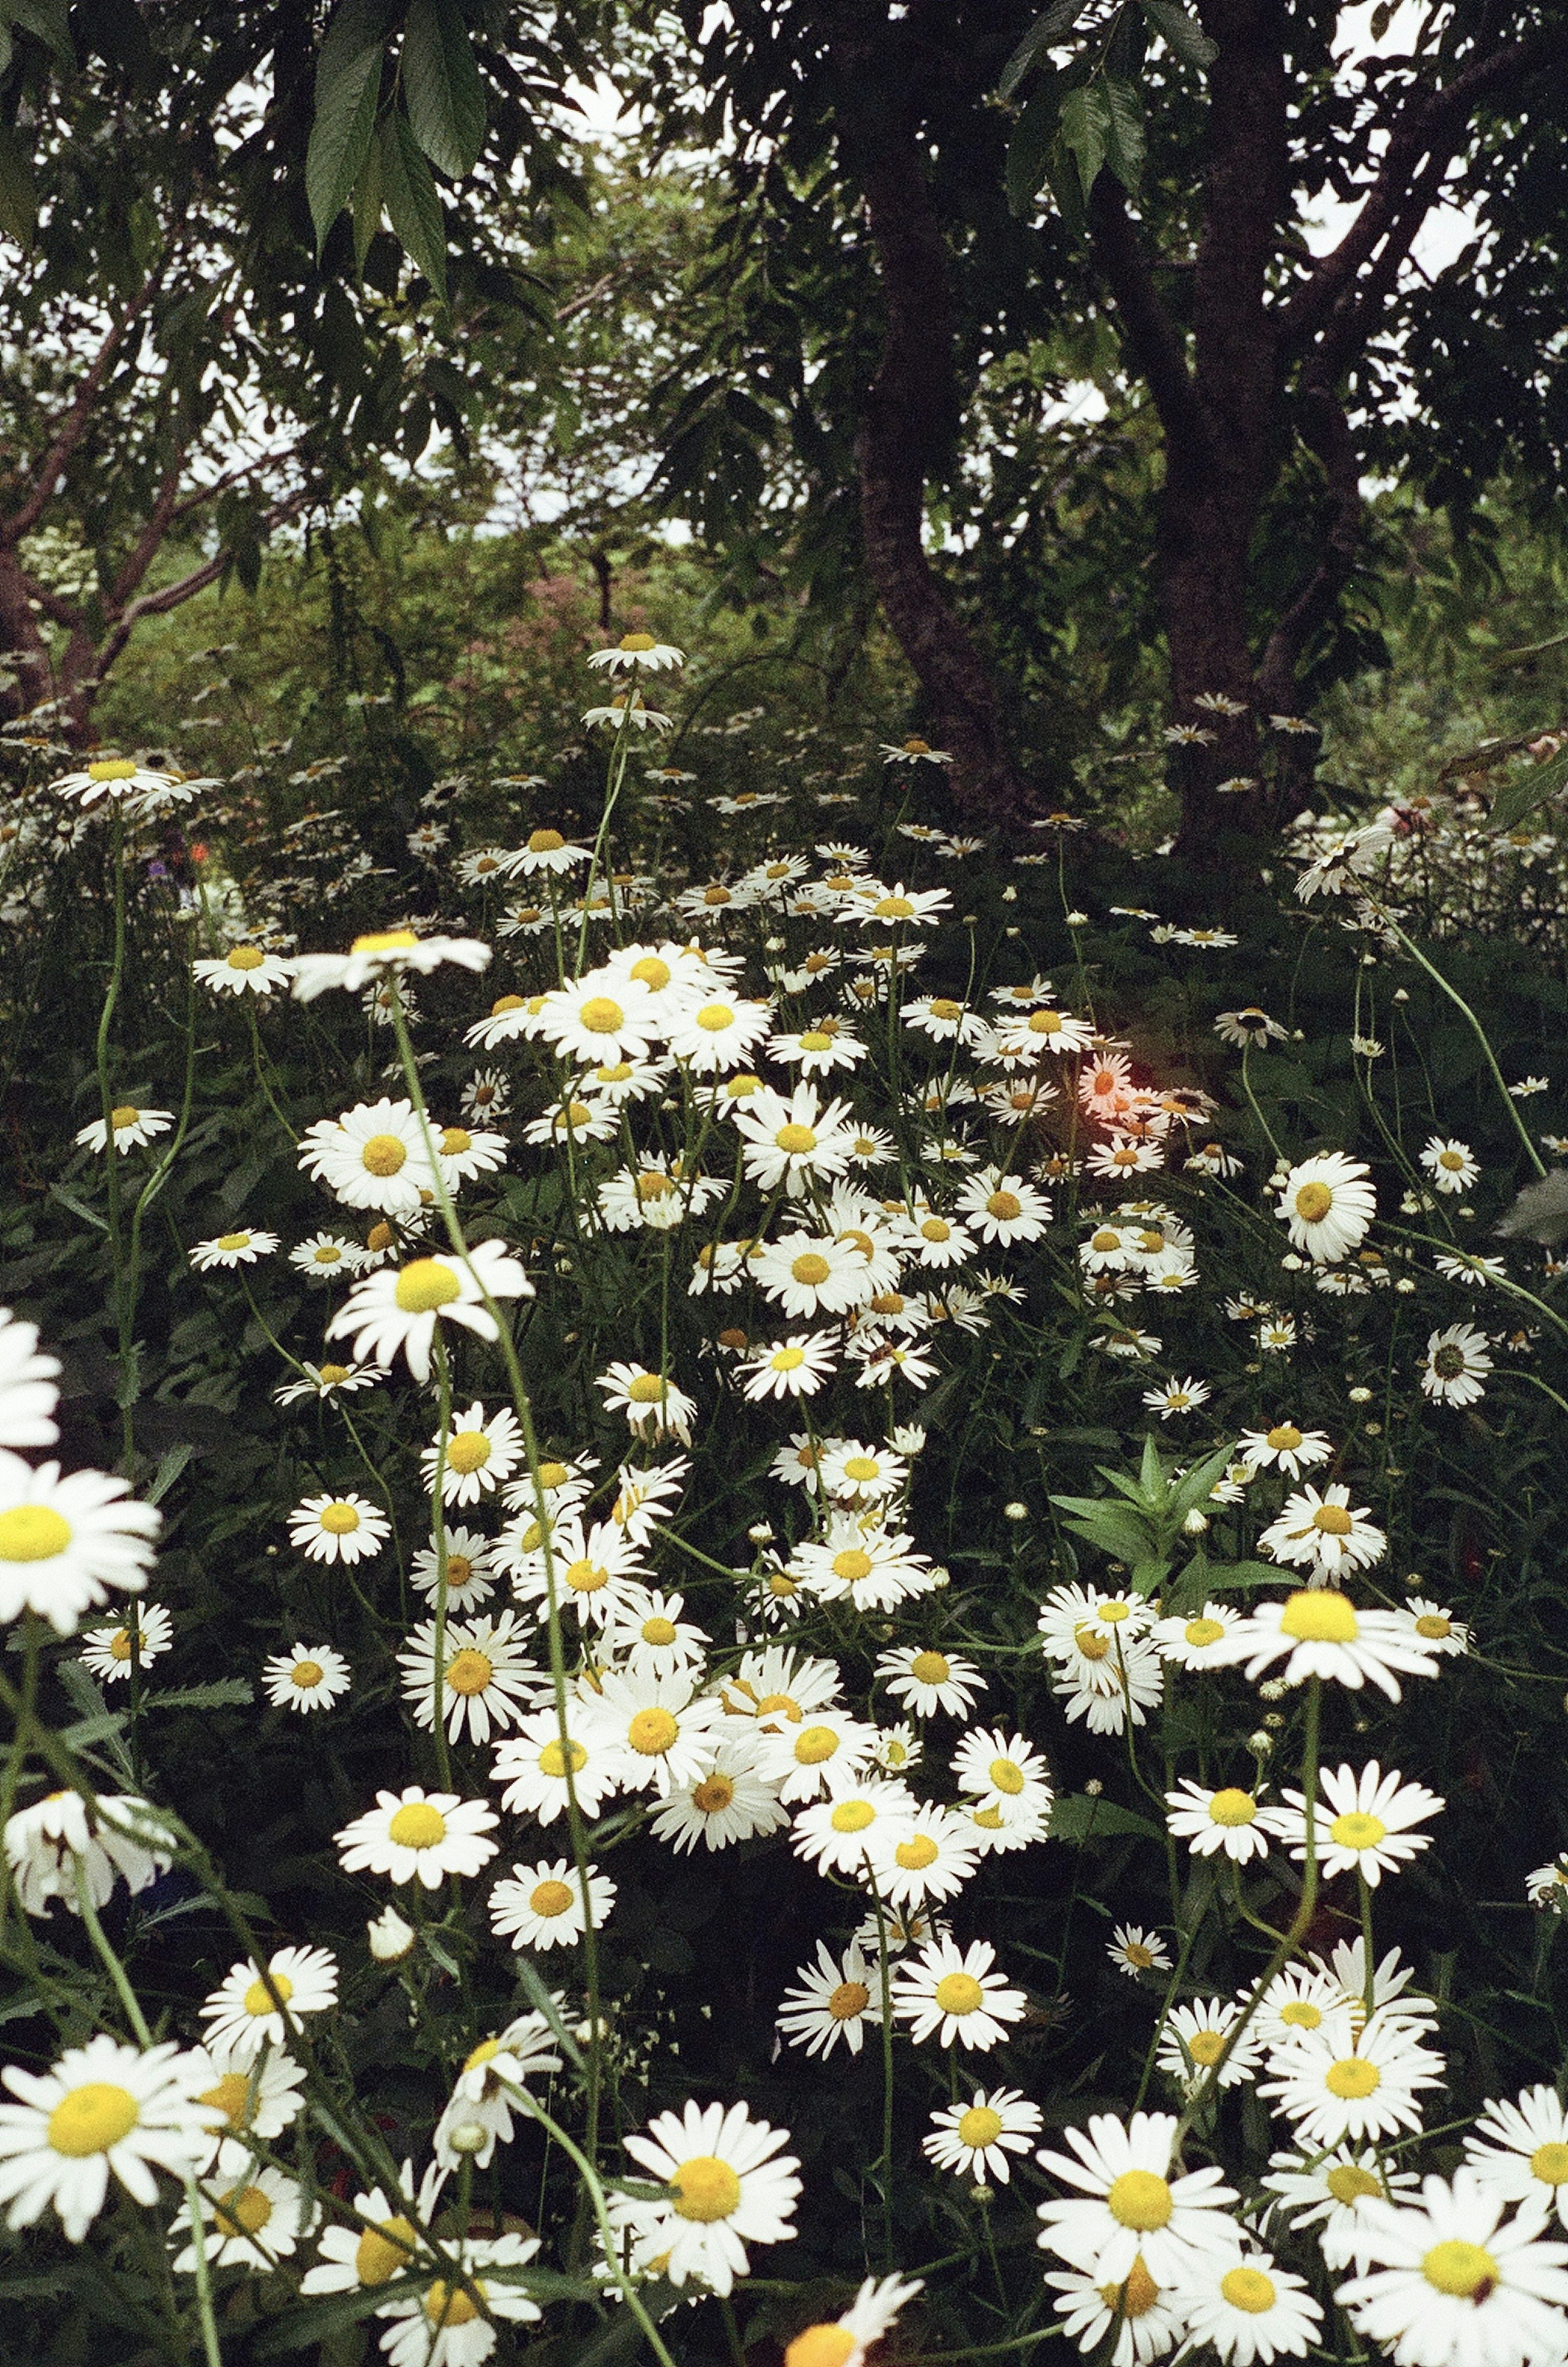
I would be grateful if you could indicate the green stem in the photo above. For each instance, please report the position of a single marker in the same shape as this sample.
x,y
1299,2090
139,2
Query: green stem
x,y
1455,997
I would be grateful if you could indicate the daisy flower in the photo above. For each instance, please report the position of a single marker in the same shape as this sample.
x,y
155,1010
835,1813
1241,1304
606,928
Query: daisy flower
x,y
1330,2191
897,906
388,1311
595,1571
795,1367
533,1766
260,2098
382,2241
827,1749
231,1250
118,778
546,851
1002,1207
308,1677
661,1730
1351,2080
844,2341
326,1257
1435,1625
1230,1820
374,1156
783,1143
1128,2206
1133,1951
243,970
65,1541
1292,1449
1245,2307
408,1833
833,2000
729,2186
927,1681
975,2139
862,1474
952,1994
1362,1821
59,1845
648,1628
102,2107
483,2096
713,1036
481,1451
130,1127
470,1571
1452,1164
634,649
652,1404
145,1629
383,954
807,1275
1195,2037
1147,2320
338,1528
28,1394
253,2215
1327,1202
1322,1634
1249,1027
930,1858
1520,2151
1177,1397
441,2326
486,1677
543,1907
1455,1366
601,1016
1001,1771
1457,2286
1323,1533
837,1834
729,1802
246,2010
318,1382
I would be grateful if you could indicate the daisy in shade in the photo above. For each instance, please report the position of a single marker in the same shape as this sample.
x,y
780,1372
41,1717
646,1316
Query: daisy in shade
x,y
487,1678
1191,1642
1457,2286
103,2107
1128,2206
1178,1398
388,1311
1195,2038
65,1541
1351,2080
1230,1819
843,2341
481,1451
1322,1634
1133,1951
542,1906
259,2100
1435,1625
794,1367
835,1999
59,1846
1520,2151
146,1633
231,1250
131,1128
1293,1450
411,1834
975,2139
1455,1366
1452,1164
1362,1821
28,1394
1246,2307
1324,1533
728,2185
661,1731
249,2010
483,2097
1330,2191
382,2242
928,1681
1328,1204
318,1382
652,1404
337,1528
533,1766
442,2327
729,1802
1144,2317
310,1677
952,1994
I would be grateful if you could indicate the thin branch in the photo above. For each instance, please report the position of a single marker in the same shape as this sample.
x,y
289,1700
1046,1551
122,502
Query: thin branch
x,y
174,595
74,426
1151,333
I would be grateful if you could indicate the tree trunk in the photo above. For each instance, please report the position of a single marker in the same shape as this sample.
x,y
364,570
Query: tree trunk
x,y
21,642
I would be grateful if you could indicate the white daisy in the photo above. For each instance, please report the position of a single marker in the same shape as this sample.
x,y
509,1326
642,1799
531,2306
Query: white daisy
x,y
729,1802
384,954
1455,1366
1323,1533
1230,1819
1520,2150
1128,2205
845,2340
1133,1951
729,2186
65,1541
409,1834
1452,1164
1329,2193
390,1311
1322,1634
835,1999
469,1565
102,2107
1362,1821
952,1994
487,1678
1457,2286
927,1681
132,1127
532,1764
1245,2307
327,1257
542,1906
382,2241
1351,2080
795,1367
1146,2322
1192,1643
652,1404
1292,1449
346,1528
975,2139
146,1633
1327,1202
60,1845
249,2010
374,1156
253,2215
28,1394
1195,2037
231,1250
441,2326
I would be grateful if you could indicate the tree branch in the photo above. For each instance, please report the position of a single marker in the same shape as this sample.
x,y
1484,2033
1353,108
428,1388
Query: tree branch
x,y
74,426
174,596
1151,333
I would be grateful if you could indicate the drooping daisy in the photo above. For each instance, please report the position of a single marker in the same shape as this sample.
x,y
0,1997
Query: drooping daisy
x,y
388,1311
928,1681
1520,2150
131,1128
1452,1164
835,1999
346,1528
950,1993
1196,2036
729,1802
1246,2307
1351,2080
1329,2192
59,1845
652,1404
28,1391
144,1633
1363,1822
1133,1951
1322,1634
1128,2205
1457,2285
542,1906
409,1834
231,1250
729,2185
65,1541
484,2093
1327,1202
102,2107
1454,1369
975,2139
1230,1819
247,2011
1292,1449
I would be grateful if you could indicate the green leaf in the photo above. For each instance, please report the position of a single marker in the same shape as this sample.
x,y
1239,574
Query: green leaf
x,y
1193,1490
348,89
1124,135
1086,131
19,219
1030,143
441,87
1531,789
413,205
48,21
169,1470
1181,34
1044,34
1080,1818
368,200
223,1692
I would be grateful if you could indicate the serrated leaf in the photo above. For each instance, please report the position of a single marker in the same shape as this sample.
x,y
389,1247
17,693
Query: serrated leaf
x,y
1086,130
1044,34
1510,805
413,204
19,219
346,100
441,85
1078,1819
223,1692
168,1471
1124,131
1181,34
1030,144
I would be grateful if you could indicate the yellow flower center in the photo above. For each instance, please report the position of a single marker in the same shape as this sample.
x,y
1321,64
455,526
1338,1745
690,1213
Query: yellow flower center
x,y
384,1154
1331,1521
979,2126
468,1450
652,1732
787,1360
893,908
504,1002
383,2251
1321,1617
1045,1022
417,1826
1300,2015
245,958
333,1375
658,1631
1140,2199
549,1898
91,2119
705,2189
810,1268
552,1761
231,2097
1353,2079
385,941
1285,1436
1206,2046
545,842
456,1139
307,1675
259,2000
1138,1956
714,1018
1104,1242
850,1998
648,1388
714,896
1232,1807
959,1994
930,1668
1136,2297
712,1794
1199,1632
1357,1830
601,1016
339,1520
1432,1623
1249,2290
797,1139
1313,1202
1348,2184
586,1577
1550,2164
933,1229
469,1672
915,1855
382,1236
638,641
814,1040
124,1116
861,1467
424,1285
852,1817
111,768
1007,1775
654,1186
1092,1646
448,2304
1460,2268
814,1745
243,2212
1005,1206
326,1254
852,1565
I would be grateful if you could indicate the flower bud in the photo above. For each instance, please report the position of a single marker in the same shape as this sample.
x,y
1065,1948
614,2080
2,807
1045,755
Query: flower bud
x,y
389,1937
